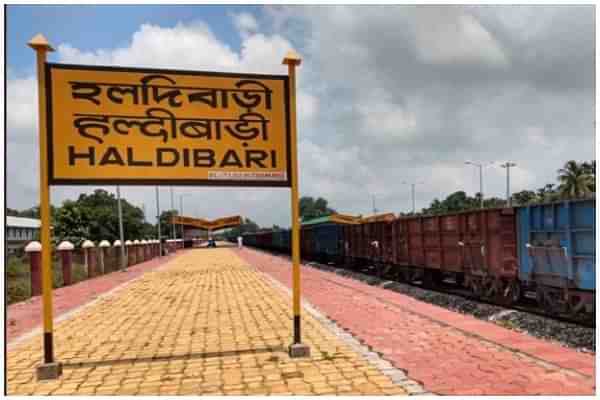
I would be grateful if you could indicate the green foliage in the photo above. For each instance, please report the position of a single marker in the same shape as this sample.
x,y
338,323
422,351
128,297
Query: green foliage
x,y
34,212
95,217
314,208
101,208
72,224
523,198
247,226
460,201
166,230
18,283
576,180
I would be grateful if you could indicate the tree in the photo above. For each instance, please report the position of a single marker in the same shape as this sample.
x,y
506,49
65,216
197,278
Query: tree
x,y
589,167
34,212
523,197
72,224
575,180
95,217
166,230
311,208
10,212
247,226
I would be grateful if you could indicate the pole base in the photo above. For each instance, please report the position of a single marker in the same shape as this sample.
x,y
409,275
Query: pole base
x,y
49,371
298,350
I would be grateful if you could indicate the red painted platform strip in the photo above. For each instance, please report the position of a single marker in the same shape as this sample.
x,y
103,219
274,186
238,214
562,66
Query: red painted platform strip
x,y
448,352
24,316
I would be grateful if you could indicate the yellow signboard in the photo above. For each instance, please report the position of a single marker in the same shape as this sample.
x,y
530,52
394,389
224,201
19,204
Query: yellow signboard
x,y
389,217
109,125
344,219
227,222
217,224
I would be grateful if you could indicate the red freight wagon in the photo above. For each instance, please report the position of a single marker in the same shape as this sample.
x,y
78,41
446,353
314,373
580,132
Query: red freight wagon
x,y
477,246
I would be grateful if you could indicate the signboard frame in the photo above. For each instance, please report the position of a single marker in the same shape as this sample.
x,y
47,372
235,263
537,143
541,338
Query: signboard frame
x,y
52,369
53,181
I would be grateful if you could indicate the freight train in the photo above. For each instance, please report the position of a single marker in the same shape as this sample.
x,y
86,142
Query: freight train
x,y
546,251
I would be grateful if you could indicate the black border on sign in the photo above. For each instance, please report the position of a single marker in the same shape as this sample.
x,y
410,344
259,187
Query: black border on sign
x,y
176,182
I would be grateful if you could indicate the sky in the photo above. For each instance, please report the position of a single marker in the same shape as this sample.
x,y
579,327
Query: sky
x,y
386,94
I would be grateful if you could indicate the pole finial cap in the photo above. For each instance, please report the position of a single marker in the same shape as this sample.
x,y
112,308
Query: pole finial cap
x,y
39,42
292,58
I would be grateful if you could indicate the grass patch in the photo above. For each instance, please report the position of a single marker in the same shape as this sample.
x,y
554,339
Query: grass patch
x,y
18,283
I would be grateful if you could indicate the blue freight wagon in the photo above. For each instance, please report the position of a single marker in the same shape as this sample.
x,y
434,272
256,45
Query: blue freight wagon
x,y
325,239
557,254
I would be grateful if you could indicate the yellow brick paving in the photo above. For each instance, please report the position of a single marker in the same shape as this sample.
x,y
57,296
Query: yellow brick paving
x,y
207,323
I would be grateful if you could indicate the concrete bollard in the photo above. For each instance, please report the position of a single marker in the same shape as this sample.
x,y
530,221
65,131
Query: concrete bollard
x,y
139,254
131,256
121,258
34,249
66,255
90,257
104,246
144,247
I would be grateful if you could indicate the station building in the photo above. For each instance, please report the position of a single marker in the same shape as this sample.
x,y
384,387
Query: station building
x,y
19,232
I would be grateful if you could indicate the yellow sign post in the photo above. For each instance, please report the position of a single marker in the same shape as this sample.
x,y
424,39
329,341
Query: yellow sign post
x,y
131,126
297,349
49,369
217,224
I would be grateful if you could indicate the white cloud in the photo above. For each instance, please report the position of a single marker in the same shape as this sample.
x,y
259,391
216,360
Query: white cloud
x,y
454,37
386,94
21,116
245,23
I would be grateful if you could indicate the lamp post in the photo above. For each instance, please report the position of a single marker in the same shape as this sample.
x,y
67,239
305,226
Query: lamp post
x,y
413,192
507,165
480,165
172,208
374,208
121,235
158,222
181,209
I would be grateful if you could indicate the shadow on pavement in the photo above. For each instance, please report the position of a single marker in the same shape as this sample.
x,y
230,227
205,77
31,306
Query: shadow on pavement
x,y
190,356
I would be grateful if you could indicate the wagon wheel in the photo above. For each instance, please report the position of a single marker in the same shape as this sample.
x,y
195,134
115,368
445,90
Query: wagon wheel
x,y
409,275
544,300
509,293
489,287
476,287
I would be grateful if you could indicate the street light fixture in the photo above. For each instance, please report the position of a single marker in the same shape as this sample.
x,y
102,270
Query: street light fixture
x,y
480,165
507,165
412,184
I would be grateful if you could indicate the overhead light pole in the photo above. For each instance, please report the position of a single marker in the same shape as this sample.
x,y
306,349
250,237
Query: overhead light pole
x,y
181,196
121,235
412,184
172,209
158,223
480,165
507,165
374,208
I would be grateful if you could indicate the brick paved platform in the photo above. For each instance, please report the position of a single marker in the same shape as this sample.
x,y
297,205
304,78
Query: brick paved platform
x,y
205,323
22,317
449,353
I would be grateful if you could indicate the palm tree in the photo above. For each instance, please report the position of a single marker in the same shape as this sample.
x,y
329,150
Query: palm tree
x,y
574,180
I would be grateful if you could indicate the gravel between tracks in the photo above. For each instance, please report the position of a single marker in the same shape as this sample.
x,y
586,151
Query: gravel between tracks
x,y
567,334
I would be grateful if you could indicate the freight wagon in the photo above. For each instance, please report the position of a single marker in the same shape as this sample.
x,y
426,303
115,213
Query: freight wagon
x,y
498,254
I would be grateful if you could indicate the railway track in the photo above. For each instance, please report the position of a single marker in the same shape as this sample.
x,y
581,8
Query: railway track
x,y
448,287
